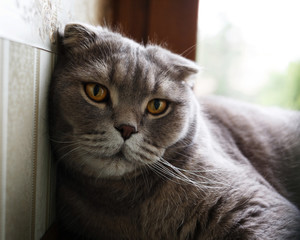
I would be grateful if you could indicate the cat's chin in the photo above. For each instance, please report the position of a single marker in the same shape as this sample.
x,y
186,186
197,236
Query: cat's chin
x,y
115,166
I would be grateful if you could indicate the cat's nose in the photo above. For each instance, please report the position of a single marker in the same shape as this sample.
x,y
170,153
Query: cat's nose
x,y
126,130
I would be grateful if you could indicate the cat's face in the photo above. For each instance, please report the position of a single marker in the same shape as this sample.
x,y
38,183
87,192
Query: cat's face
x,y
115,105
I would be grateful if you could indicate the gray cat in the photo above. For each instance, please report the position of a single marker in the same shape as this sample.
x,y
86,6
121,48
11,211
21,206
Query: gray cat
x,y
139,157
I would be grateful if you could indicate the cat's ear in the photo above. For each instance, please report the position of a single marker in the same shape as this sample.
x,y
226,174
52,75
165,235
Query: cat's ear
x,y
181,68
77,37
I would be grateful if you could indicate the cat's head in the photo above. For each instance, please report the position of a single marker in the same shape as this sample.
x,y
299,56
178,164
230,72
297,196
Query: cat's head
x,y
116,105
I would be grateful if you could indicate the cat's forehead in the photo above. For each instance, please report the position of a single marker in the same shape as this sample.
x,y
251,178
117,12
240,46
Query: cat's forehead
x,y
134,68
126,65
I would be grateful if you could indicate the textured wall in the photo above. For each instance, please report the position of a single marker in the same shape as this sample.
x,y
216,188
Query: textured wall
x,y
27,54
27,181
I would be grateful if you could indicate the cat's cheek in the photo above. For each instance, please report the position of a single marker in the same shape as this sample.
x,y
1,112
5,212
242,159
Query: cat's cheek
x,y
170,129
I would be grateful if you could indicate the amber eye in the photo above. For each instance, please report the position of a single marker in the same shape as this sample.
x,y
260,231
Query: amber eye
x,y
157,106
96,92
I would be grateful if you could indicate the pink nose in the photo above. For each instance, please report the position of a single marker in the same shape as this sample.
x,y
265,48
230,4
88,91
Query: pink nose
x,y
126,130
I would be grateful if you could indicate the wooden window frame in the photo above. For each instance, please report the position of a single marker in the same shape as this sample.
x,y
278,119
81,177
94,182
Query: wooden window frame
x,y
172,23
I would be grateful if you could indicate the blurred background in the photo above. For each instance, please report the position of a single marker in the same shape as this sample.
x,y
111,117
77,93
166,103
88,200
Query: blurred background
x,y
250,50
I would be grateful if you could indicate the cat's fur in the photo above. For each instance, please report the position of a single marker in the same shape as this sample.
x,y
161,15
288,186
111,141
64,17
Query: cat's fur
x,y
217,169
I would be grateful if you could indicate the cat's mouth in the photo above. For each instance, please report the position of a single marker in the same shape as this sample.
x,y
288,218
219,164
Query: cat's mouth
x,y
121,157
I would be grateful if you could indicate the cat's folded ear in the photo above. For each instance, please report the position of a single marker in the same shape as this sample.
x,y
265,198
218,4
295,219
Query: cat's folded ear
x,y
183,69
183,66
77,37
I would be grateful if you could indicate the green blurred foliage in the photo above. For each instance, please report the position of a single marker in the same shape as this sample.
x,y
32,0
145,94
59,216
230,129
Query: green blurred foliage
x,y
282,89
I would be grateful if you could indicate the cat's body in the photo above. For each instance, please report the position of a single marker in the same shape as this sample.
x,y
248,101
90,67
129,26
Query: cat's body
x,y
215,170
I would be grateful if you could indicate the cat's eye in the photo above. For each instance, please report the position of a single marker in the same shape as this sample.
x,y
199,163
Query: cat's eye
x,y
96,92
157,106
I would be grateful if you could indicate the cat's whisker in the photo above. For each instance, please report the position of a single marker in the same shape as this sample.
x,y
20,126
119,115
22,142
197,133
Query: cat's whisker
x,y
199,169
144,171
68,148
66,145
86,156
68,153
190,158
207,183
167,174
185,145
194,172
63,142
188,50
161,173
180,176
